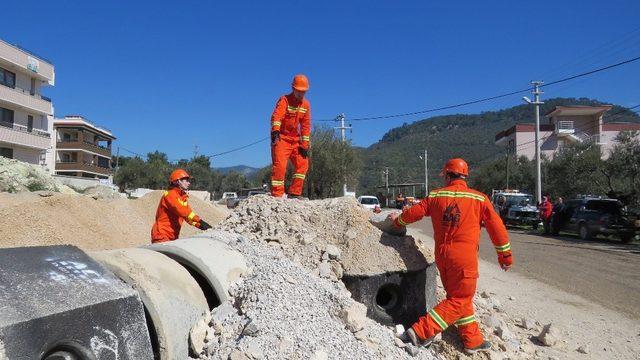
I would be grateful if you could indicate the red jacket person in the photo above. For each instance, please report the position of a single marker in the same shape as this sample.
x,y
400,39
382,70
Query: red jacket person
x,y
174,209
290,138
457,213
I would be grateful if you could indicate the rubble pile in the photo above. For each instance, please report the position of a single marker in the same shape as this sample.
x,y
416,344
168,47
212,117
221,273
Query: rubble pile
x,y
17,176
280,310
511,338
331,237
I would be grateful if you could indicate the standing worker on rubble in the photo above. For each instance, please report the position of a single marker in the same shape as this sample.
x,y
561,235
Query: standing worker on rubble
x,y
457,213
290,138
173,210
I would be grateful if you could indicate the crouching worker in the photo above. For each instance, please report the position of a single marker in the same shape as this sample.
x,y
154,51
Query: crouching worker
x,y
456,213
173,210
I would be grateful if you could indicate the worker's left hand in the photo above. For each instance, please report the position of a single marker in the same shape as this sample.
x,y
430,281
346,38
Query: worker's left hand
x,y
303,152
505,260
204,225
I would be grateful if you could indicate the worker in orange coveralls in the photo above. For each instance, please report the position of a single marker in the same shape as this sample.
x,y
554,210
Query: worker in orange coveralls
x,y
173,210
290,138
457,213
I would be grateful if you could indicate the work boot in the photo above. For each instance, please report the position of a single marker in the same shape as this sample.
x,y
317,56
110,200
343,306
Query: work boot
x,y
484,347
410,336
289,196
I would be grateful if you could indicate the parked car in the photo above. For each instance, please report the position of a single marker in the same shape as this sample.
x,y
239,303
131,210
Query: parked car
x,y
516,208
368,201
226,196
589,216
233,202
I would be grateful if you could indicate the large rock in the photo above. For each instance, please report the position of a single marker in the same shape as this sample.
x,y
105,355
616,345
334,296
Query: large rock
x,y
550,335
17,176
354,316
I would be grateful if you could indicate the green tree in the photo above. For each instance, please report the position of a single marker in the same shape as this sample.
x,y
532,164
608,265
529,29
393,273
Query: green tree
x,y
234,181
622,169
132,174
331,163
157,171
576,169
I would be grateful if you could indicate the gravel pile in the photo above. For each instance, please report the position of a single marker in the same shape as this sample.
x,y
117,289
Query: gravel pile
x,y
17,176
280,310
331,237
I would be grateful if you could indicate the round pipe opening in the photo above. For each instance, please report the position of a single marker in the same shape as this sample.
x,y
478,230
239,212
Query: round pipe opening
x,y
388,296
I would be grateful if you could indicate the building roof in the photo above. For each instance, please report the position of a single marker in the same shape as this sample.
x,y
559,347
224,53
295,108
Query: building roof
x,y
79,120
621,127
523,128
578,110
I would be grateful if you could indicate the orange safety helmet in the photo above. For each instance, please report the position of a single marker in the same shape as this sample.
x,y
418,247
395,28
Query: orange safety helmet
x,y
456,166
178,174
300,83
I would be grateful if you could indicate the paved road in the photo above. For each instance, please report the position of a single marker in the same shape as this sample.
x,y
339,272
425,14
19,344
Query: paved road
x,y
605,272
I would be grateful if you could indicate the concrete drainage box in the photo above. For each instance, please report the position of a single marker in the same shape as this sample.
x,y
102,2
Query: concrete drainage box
x,y
395,297
58,300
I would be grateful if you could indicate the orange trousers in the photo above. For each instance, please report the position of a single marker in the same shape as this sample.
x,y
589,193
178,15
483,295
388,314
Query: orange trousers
x,y
284,150
458,269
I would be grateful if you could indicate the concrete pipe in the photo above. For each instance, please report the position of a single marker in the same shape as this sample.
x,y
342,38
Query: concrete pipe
x,y
172,298
395,297
58,303
210,261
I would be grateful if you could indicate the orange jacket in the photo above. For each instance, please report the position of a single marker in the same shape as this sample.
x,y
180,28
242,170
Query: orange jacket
x,y
289,114
457,213
172,211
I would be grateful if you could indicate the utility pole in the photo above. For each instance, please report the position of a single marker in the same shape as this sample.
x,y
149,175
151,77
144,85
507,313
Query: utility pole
x,y
426,175
343,129
117,162
507,168
536,102
386,181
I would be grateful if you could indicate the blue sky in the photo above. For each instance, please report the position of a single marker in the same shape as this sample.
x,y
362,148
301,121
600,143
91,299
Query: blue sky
x,y
172,75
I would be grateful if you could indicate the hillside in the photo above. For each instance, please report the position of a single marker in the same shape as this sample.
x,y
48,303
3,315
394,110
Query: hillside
x,y
242,169
470,136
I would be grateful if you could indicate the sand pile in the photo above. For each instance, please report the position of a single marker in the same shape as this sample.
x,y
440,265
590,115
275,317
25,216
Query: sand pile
x,y
45,218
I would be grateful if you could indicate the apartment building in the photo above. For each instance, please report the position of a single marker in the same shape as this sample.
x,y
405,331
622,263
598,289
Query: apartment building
x,y
26,116
83,149
564,125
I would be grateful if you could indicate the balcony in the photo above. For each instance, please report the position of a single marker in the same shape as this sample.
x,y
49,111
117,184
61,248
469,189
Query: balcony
x,y
21,135
83,166
27,61
565,128
83,145
23,98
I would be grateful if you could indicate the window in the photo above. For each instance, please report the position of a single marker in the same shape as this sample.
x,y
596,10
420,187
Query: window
x,y
6,152
7,78
29,123
103,162
6,117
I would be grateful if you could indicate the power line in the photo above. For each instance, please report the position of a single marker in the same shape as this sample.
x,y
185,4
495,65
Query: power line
x,y
471,102
240,148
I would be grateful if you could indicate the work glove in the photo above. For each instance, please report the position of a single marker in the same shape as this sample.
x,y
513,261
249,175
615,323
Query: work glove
x,y
303,152
204,225
275,137
505,260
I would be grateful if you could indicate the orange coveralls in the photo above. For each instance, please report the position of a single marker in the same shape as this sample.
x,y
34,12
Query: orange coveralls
x,y
289,115
172,211
457,212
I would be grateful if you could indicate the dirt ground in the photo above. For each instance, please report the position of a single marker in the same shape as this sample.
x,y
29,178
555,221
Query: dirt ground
x,y
606,333
28,219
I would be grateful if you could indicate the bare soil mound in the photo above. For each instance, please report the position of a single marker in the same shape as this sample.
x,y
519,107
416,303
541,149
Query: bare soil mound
x,y
31,219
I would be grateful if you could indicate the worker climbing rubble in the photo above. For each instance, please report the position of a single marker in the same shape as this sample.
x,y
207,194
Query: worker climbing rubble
x,y
457,213
174,209
290,138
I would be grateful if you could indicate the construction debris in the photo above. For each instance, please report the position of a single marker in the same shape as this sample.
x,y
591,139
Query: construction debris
x,y
321,233
17,176
283,311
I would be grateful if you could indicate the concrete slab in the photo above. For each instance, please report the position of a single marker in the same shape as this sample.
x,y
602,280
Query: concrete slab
x,y
171,296
210,257
58,298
